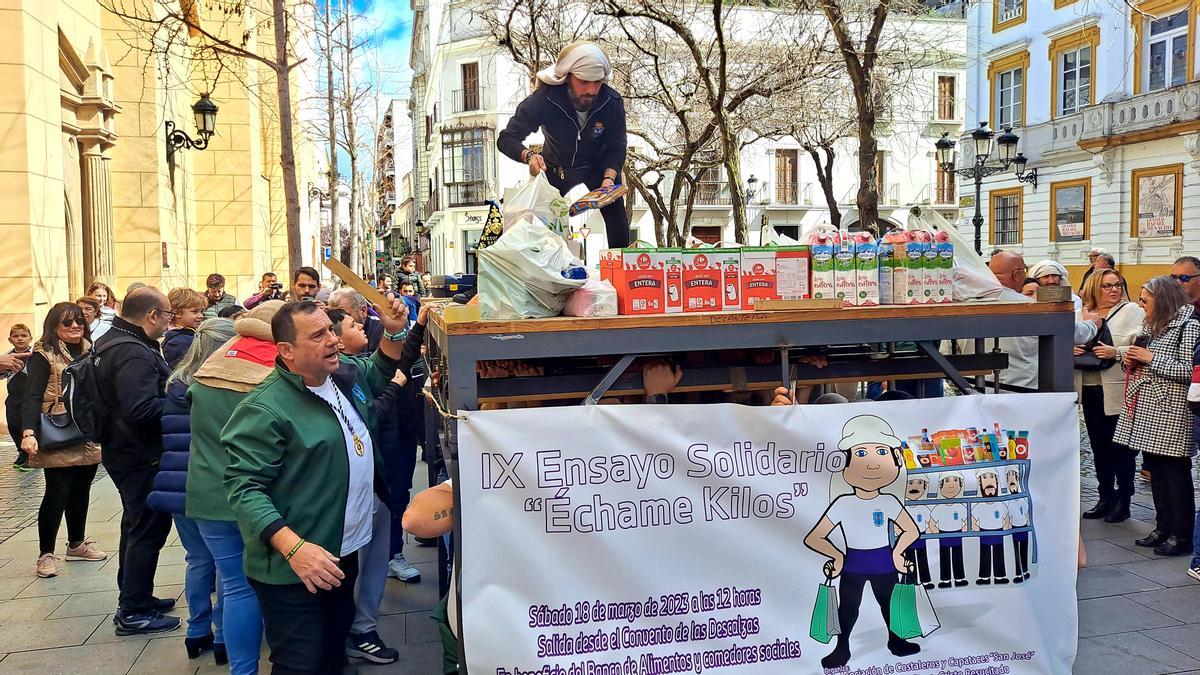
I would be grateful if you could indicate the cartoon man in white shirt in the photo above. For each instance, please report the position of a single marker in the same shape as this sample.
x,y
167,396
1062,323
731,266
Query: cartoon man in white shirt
x,y
866,517
990,517
916,490
950,518
1018,516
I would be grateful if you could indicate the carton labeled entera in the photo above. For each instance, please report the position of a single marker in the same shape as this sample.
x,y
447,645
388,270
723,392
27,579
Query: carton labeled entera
x,y
638,276
758,275
822,245
729,261
845,276
866,270
702,280
672,262
791,272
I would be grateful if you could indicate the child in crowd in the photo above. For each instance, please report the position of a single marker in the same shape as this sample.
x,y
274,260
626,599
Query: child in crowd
x,y
187,307
21,338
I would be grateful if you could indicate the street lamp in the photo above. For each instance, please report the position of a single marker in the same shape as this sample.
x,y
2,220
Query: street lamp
x,y
205,112
1007,156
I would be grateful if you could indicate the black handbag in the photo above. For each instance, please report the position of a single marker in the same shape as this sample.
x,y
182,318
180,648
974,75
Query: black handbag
x,y
1088,359
57,432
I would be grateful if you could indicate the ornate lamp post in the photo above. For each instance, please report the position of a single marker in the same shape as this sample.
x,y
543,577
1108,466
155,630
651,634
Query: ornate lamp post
x,y
205,112
1007,154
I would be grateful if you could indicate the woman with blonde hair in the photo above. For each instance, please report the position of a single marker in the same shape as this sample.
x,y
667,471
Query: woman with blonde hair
x,y
1101,386
109,304
1155,419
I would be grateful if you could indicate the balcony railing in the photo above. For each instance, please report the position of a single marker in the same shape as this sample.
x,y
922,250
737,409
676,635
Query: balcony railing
x,y
390,198
466,100
1011,9
945,193
471,193
712,193
787,193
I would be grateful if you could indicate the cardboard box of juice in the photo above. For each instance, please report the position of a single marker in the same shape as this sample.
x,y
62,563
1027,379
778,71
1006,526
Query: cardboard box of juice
x,y
791,272
638,276
672,262
929,271
845,276
823,246
866,270
945,268
891,255
729,261
758,275
702,279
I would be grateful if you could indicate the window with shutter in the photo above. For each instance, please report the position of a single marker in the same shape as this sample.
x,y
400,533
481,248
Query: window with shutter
x,y
945,97
786,176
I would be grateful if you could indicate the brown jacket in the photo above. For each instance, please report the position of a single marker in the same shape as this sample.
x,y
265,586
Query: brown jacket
x,y
85,454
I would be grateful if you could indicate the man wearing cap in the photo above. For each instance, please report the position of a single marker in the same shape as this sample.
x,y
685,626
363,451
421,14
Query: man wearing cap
x,y
865,517
949,518
990,517
217,298
582,120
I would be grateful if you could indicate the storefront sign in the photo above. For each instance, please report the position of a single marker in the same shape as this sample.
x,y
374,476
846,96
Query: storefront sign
x,y
726,538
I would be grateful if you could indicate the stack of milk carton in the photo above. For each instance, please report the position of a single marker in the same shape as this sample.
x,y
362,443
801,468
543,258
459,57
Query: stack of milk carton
x,y
903,268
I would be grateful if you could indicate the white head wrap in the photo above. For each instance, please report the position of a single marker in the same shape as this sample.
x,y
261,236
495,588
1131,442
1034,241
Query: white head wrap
x,y
583,60
1046,267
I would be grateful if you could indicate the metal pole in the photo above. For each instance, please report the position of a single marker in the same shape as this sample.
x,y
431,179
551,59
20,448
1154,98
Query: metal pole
x,y
977,221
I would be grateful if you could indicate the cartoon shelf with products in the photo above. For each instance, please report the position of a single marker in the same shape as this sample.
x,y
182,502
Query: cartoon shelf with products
x,y
970,483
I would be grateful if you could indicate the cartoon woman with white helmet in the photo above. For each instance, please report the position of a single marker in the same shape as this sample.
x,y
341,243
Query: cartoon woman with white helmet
x,y
866,516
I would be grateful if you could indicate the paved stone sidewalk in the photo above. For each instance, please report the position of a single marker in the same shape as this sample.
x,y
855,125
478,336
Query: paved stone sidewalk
x,y
63,624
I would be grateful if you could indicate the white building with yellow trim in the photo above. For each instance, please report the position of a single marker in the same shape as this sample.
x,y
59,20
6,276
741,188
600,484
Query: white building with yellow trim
x,y
1105,100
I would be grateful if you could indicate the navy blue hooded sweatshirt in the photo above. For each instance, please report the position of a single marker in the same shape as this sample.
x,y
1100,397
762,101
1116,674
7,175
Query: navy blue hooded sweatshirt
x,y
599,143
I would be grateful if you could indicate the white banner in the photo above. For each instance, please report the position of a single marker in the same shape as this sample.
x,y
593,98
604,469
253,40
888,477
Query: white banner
x,y
643,540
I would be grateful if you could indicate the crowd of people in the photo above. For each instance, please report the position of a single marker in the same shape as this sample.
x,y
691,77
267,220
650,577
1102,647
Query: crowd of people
x,y
231,422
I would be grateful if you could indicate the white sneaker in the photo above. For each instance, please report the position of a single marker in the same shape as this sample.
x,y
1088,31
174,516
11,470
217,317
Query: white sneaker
x,y
403,570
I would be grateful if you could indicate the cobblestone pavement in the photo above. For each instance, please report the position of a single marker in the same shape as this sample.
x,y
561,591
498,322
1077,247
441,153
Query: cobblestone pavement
x,y
1138,614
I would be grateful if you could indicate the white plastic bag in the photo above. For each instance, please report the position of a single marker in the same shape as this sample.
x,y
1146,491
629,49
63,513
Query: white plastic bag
x,y
594,298
539,199
520,276
973,280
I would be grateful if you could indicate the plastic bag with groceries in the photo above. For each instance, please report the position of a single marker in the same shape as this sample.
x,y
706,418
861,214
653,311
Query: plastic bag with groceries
x,y
539,200
527,273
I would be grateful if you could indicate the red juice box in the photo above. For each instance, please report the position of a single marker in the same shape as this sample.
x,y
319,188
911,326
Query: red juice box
x,y
638,276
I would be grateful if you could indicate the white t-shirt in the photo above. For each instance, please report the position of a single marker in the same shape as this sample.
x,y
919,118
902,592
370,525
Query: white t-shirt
x,y
1018,512
865,522
360,498
950,517
990,515
921,516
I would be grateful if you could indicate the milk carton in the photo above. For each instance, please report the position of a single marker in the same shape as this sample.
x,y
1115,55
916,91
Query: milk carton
x,y
945,269
908,275
791,272
891,253
729,261
672,263
638,276
866,270
701,281
844,274
822,246
929,269
758,275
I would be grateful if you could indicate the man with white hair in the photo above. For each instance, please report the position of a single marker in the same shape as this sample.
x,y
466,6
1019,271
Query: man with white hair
x,y
582,120
354,303
873,462
945,519
990,517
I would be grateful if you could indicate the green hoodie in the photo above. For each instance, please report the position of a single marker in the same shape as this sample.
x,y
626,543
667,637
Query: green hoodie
x,y
288,464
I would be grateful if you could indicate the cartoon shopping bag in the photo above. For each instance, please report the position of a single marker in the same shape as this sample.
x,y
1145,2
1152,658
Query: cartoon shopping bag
x,y
825,623
904,621
926,615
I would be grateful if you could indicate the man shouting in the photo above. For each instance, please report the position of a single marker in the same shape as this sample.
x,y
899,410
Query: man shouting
x,y
583,122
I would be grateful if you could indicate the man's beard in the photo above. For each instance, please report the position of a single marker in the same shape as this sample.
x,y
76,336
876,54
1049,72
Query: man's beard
x,y
578,103
989,491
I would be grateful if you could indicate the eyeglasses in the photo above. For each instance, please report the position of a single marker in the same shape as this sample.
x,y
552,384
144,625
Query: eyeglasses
x,y
70,321
168,313
1184,278
1109,287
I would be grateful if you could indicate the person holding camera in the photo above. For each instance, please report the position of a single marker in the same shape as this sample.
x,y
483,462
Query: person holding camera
x,y
269,288
1155,419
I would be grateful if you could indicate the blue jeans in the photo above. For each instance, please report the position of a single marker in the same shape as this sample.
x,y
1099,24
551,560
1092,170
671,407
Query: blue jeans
x,y
1196,542
243,619
203,617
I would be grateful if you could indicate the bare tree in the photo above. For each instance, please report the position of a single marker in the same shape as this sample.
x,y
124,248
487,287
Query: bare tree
x,y
225,43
